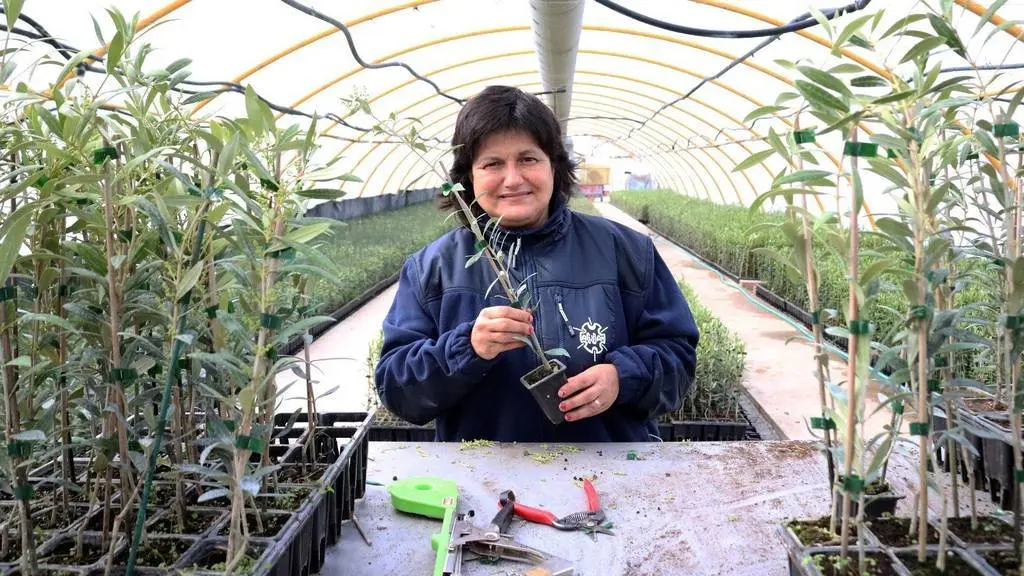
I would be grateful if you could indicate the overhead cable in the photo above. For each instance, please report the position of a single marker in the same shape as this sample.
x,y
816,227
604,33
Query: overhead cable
x,y
67,51
352,47
830,13
806,21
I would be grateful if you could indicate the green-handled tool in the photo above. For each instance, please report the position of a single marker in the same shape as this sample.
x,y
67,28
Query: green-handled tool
x,y
433,498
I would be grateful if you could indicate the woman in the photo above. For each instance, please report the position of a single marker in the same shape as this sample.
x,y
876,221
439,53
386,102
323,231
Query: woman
x,y
598,289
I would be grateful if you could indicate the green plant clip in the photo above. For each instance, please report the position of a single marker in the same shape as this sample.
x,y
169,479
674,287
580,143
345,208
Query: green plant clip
x,y
631,455
804,136
853,484
250,443
859,327
272,354
270,321
891,154
269,184
25,492
8,293
897,407
860,149
446,189
284,254
100,155
1006,130
124,375
479,245
818,423
934,385
1013,322
211,311
918,428
108,446
920,312
19,449
817,317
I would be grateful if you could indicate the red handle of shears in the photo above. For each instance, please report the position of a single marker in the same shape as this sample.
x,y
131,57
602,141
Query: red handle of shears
x,y
593,502
534,514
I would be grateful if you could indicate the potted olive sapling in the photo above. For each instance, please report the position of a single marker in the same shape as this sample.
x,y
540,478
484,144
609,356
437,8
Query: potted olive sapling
x,y
550,375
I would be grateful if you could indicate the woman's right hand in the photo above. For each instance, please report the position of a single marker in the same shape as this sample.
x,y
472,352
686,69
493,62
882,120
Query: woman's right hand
x,y
495,329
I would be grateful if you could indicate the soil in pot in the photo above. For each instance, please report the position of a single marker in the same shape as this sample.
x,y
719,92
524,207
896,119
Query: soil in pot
x,y
64,554
1003,561
62,519
895,532
95,522
196,522
833,564
955,565
286,498
984,404
297,474
215,559
272,525
157,553
990,530
13,549
816,532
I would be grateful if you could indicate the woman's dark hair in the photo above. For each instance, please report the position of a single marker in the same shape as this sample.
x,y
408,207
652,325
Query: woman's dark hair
x,y
505,109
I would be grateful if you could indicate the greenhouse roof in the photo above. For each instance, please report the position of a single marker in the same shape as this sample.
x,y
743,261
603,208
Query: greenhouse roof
x,y
627,84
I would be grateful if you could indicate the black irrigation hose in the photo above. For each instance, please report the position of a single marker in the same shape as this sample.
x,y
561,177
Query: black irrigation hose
x,y
68,52
806,21
778,32
352,47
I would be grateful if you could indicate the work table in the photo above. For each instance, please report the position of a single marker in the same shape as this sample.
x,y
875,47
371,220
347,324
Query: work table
x,y
677,508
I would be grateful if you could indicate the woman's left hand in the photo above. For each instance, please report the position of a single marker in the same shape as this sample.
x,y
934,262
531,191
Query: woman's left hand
x,y
590,392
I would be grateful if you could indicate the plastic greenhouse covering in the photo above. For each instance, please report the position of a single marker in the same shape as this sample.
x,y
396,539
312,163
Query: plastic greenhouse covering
x,y
626,72
182,192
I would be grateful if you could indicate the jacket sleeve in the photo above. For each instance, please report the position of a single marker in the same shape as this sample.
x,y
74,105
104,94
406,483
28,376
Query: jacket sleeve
x,y
421,373
657,368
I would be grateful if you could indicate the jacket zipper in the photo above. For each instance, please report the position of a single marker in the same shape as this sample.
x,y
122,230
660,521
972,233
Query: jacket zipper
x,y
561,312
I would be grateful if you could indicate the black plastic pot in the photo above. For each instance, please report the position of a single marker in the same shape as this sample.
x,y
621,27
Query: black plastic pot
x,y
402,434
545,390
875,505
701,431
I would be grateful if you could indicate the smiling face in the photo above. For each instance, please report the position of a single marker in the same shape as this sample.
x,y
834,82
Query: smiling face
x,y
512,179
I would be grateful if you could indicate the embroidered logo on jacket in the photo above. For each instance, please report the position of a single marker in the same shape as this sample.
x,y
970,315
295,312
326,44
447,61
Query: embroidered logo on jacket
x,y
592,338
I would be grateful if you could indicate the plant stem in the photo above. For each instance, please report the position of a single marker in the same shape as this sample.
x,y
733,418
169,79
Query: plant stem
x,y
177,348
237,534
12,428
1012,338
854,340
67,460
919,182
114,395
820,356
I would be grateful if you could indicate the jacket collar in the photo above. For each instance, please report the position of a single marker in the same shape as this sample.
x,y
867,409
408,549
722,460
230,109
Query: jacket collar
x,y
553,229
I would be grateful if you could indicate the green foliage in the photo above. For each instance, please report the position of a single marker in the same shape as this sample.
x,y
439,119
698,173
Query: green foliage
x,y
372,248
721,359
753,245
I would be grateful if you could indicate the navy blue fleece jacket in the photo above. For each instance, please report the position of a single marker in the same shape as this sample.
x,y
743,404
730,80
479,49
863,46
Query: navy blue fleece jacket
x,y
604,295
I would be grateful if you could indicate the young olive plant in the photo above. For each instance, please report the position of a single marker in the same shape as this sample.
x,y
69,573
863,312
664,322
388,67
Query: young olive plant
x,y
915,119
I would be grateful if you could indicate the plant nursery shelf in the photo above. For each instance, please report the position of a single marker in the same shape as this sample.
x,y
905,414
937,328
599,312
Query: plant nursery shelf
x,y
677,508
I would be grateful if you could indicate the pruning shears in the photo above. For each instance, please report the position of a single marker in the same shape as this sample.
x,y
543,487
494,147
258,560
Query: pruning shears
x,y
591,521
